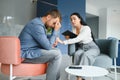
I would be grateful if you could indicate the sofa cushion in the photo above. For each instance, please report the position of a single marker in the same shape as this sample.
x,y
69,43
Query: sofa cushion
x,y
103,60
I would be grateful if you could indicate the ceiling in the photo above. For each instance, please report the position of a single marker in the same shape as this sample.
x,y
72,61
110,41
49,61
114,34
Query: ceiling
x,y
102,4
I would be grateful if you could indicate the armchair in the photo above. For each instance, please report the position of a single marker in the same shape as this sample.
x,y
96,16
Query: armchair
x,y
11,62
108,53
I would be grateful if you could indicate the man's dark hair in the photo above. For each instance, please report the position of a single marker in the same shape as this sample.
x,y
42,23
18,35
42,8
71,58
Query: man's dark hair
x,y
54,13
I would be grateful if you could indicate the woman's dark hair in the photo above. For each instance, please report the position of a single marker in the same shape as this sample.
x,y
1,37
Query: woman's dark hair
x,y
80,17
82,22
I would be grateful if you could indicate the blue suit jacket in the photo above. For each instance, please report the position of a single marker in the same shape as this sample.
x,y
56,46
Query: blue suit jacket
x,y
33,38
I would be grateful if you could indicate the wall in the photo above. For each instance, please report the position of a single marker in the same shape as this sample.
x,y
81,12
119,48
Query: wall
x,y
109,22
21,10
91,9
113,22
94,25
13,30
103,23
14,14
73,6
45,5
92,19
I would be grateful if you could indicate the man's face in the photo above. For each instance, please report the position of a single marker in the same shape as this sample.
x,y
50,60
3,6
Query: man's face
x,y
51,22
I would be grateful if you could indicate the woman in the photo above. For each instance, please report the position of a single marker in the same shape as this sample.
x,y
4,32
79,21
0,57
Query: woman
x,y
87,50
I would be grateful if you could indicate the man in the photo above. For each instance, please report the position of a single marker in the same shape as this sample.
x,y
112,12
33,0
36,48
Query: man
x,y
36,47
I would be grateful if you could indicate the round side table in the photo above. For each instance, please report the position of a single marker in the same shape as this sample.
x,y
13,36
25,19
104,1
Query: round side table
x,y
86,71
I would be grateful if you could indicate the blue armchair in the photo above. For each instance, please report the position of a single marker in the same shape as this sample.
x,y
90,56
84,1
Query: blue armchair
x,y
108,53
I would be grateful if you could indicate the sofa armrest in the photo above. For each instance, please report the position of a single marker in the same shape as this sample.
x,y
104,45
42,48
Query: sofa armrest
x,y
71,49
114,47
108,46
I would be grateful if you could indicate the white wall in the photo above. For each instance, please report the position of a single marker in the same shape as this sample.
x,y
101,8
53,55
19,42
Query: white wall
x,y
109,20
109,23
113,22
102,23
91,9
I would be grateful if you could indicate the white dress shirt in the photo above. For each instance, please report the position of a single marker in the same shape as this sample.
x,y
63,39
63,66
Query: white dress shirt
x,y
83,37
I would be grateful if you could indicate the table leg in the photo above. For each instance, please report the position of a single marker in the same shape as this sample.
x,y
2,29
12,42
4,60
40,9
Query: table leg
x,y
68,77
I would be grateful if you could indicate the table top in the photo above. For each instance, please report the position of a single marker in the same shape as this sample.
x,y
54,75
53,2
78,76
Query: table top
x,y
87,71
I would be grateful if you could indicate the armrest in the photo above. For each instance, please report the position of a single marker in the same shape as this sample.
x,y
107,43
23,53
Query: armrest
x,y
10,50
108,46
114,47
71,49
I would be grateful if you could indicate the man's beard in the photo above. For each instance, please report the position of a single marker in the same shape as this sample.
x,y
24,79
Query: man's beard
x,y
47,26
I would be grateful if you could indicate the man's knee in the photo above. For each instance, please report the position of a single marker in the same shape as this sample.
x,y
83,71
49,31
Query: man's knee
x,y
57,53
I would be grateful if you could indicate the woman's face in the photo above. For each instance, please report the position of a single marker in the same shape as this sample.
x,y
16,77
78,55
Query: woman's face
x,y
75,21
